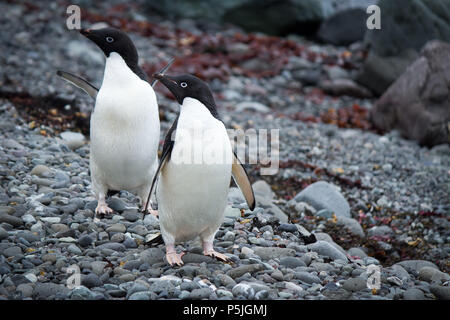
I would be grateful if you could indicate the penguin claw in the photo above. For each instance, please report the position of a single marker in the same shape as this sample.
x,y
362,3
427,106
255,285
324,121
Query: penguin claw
x,y
174,258
150,211
217,255
103,209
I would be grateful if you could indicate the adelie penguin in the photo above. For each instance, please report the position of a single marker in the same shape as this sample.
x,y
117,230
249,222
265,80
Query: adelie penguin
x,y
124,126
195,170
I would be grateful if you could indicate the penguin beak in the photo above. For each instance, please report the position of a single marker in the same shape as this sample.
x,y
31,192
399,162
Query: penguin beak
x,y
166,80
170,84
90,34
158,76
85,32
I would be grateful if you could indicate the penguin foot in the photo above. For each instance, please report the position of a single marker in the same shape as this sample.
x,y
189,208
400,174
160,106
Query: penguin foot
x,y
103,209
174,258
214,254
153,212
150,211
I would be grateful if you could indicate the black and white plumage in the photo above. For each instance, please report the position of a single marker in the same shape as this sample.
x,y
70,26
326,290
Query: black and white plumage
x,y
125,124
195,170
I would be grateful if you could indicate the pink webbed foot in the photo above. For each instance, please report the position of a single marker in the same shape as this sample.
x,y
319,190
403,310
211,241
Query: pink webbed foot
x,y
217,255
153,212
174,258
102,208
208,250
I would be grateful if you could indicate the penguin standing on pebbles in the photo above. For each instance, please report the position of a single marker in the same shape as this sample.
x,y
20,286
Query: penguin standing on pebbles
x,y
124,127
195,170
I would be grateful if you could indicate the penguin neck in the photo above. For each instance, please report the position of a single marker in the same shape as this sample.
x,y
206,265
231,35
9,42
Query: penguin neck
x,y
117,70
117,65
194,115
195,106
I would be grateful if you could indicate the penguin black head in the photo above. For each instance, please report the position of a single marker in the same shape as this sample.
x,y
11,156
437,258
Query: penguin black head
x,y
189,86
113,40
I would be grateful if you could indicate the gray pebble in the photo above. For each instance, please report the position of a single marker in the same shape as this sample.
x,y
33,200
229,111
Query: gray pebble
x,y
413,294
326,249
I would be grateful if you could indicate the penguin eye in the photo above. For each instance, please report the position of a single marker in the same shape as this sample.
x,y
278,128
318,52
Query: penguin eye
x,y
109,39
183,84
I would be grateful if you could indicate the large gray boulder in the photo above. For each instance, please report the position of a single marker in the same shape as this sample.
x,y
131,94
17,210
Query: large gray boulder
x,y
418,103
406,25
323,195
344,27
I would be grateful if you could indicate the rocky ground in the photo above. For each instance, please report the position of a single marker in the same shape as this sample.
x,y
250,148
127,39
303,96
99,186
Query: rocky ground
x,y
368,198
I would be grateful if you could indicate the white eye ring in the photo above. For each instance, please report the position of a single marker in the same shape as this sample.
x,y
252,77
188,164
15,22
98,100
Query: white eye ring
x,y
109,39
183,84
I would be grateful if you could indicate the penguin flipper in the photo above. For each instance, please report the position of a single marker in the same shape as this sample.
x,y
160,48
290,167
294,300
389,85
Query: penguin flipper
x,y
241,178
163,70
79,82
167,151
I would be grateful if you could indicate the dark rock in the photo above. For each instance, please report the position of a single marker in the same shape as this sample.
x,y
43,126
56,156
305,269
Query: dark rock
x,y
12,251
66,233
337,294
441,292
132,264
197,258
152,256
413,294
267,253
239,271
12,220
3,233
116,204
287,227
326,249
306,277
344,87
112,246
117,293
189,285
81,293
19,279
355,284
131,215
307,77
344,27
418,103
91,280
292,262
244,290
129,243
27,235
161,285
201,293
416,265
85,241
45,290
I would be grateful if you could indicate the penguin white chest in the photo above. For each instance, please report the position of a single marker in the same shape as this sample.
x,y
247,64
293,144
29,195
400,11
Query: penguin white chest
x,y
193,185
124,128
